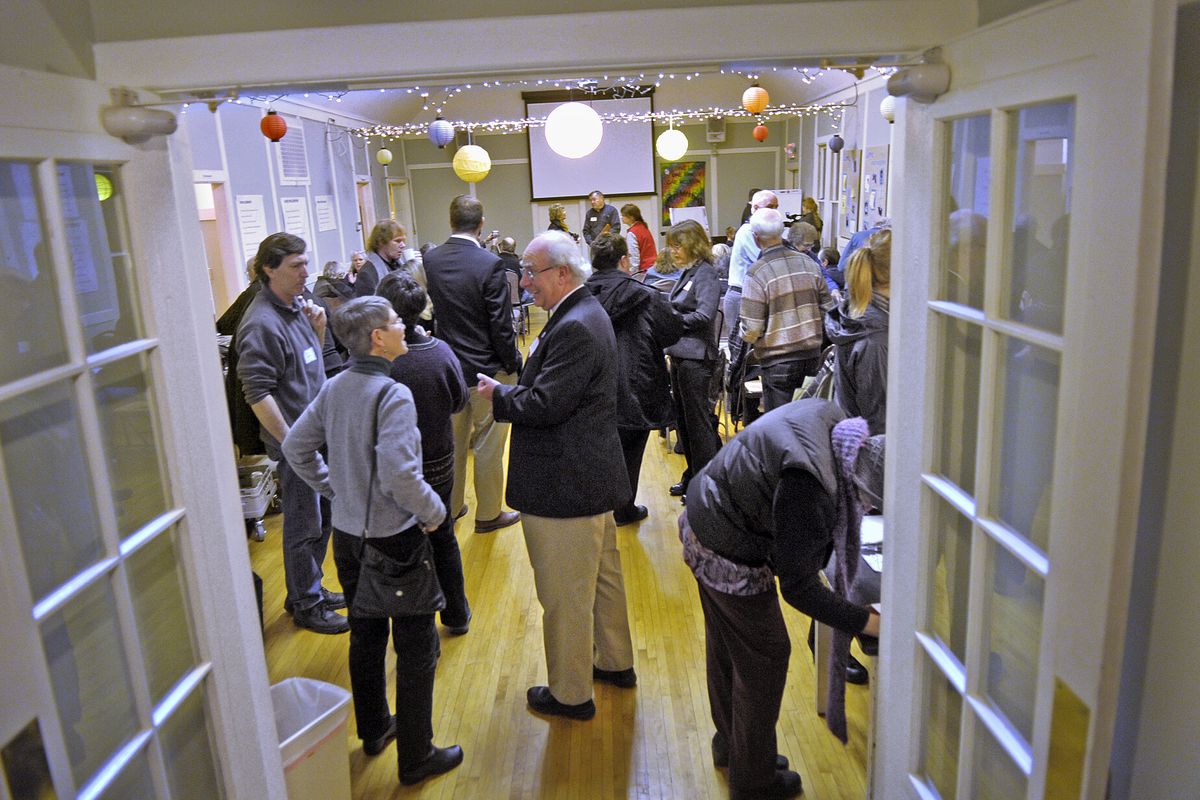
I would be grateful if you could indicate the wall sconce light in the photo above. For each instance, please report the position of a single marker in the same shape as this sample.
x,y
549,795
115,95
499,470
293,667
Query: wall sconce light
x,y
135,123
923,82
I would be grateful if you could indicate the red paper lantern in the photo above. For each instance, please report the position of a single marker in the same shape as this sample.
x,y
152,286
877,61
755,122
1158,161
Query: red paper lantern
x,y
273,126
760,132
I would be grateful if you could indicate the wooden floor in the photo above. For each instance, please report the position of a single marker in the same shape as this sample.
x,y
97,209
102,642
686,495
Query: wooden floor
x,y
650,742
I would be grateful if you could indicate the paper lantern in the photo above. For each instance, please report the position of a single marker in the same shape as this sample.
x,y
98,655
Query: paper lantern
x,y
836,143
383,156
755,99
273,126
760,133
671,144
573,130
104,187
472,163
887,108
440,132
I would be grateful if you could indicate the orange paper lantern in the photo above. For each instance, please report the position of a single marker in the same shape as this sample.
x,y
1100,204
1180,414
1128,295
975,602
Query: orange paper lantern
x,y
273,126
760,132
755,99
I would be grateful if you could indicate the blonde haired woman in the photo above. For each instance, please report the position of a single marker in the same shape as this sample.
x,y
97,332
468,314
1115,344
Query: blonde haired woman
x,y
558,220
858,328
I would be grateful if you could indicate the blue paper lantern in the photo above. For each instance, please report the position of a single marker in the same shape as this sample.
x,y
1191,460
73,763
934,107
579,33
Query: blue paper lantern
x,y
440,132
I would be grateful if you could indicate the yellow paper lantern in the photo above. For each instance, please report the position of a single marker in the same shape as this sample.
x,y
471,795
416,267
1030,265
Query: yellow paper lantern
x,y
104,187
755,99
472,163
383,156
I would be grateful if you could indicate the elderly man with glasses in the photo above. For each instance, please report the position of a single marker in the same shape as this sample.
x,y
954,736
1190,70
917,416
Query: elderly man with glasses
x,y
566,474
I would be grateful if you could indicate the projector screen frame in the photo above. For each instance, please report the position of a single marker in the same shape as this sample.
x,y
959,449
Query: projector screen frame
x,y
566,96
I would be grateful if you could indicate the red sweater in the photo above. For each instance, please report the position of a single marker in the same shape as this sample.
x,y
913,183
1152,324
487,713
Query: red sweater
x,y
647,249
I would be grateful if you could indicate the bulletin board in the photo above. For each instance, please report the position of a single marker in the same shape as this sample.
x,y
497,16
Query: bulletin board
x,y
850,181
874,185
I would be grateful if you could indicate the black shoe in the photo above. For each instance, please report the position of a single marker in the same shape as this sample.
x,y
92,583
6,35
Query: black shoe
x,y
856,673
439,760
334,600
721,758
503,520
639,514
374,747
678,489
321,619
541,701
462,512
678,448
787,784
459,630
869,644
622,678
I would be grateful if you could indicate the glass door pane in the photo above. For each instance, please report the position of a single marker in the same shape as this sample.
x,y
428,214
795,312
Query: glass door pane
x,y
49,486
965,210
1035,269
31,330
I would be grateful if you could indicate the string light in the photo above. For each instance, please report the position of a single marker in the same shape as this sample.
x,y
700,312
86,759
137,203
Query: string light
x,y
506,126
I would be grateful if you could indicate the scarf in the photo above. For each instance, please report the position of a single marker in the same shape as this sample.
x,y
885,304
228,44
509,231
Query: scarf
x,y
847,437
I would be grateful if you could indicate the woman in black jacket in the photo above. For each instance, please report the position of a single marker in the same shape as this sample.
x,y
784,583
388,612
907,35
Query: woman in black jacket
x,y
695,297
644,324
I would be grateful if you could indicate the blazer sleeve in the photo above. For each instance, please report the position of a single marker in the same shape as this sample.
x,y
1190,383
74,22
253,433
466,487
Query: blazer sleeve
x,y
499,312
563,378
707,291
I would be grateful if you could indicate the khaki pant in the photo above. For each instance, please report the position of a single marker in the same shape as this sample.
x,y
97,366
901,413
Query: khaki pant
x,y
577,572
475,428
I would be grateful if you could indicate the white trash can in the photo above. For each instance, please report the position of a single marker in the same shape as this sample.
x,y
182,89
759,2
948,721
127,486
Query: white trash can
x,y
310,719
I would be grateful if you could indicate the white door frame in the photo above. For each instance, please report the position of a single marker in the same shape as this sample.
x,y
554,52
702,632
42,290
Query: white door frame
x,y
1110,58
56,117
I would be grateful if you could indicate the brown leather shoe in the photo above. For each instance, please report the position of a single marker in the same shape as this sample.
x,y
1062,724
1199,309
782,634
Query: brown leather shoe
x,y
505,519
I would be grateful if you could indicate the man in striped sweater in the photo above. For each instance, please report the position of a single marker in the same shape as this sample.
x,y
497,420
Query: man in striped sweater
x,y
784,300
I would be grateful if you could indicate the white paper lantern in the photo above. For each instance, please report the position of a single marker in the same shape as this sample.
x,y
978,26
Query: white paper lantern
x,y
573,130
671,144
887,107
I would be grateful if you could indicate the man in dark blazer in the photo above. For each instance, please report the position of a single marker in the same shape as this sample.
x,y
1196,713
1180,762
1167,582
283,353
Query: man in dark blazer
x,y
474,316
566,475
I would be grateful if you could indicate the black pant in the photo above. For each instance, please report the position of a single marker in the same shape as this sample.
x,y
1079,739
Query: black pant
x,y
747,650
633,447
415,641
781,379
690,380
447,560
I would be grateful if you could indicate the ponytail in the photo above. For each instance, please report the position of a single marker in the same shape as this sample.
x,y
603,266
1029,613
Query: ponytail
x,y
869,270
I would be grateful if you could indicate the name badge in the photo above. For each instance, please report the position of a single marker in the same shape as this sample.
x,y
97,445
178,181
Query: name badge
x,y
310,355
593,219
533,345
687,287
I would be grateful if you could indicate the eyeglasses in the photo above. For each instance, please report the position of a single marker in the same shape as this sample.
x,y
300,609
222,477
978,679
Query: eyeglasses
x,y
529,273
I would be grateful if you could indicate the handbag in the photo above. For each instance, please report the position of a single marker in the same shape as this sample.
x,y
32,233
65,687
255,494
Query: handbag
x,y
388,587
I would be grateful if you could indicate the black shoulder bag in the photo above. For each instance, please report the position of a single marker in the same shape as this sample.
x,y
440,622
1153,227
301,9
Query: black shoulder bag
x,y
389,587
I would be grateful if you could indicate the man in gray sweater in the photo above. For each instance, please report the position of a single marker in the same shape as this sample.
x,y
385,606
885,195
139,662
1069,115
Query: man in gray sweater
x,y
281,368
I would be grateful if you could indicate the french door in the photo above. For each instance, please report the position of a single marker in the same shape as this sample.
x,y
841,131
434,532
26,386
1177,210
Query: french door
x,y
131,655
1018,293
